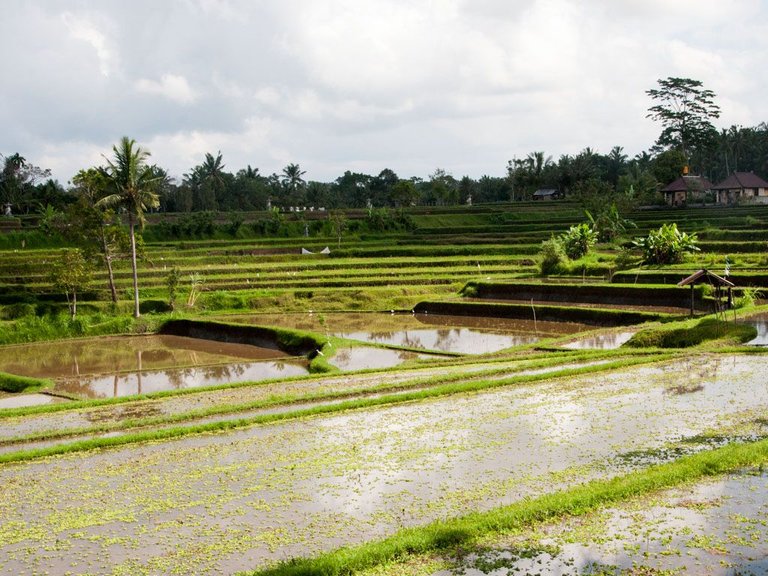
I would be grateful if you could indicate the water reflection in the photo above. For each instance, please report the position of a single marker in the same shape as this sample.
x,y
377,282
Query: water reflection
x,y
123,353
760,322
459,334
603,341
364,358
24,400
120,366
129,383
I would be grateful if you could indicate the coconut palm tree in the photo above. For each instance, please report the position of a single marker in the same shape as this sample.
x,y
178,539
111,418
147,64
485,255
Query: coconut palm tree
x,y
292,177
132,182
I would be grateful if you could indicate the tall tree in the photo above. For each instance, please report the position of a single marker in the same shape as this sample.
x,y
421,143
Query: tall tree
x,y
94,227
71,275
132,183
293,177
685,110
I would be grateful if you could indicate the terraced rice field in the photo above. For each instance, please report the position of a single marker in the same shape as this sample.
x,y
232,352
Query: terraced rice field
x,y
240,474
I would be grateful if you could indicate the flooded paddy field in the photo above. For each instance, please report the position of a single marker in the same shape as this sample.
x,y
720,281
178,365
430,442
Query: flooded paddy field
x,y
121,366
247,400
219,503
457,334
712,527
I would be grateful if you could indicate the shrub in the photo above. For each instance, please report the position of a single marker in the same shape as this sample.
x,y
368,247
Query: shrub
x,y
667,245
553,256
749,297
578,240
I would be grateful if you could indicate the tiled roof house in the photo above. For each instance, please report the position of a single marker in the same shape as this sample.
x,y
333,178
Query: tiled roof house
x,y
742,187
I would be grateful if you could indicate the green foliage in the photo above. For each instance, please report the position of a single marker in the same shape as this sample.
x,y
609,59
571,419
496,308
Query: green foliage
x,y
667,245
578,240
154,307
684,108
71,274
608,223
692,334
384,220
172,283
53,326
552,256
749,297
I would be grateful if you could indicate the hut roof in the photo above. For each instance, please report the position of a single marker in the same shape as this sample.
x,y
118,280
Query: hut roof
x,y
705,276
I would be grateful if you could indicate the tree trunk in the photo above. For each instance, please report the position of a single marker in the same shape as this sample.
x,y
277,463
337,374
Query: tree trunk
x,y
74,303
131,225
108,262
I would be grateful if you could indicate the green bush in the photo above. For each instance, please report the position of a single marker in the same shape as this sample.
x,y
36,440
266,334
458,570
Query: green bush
x,y
578,240
667,245
749,297
553,256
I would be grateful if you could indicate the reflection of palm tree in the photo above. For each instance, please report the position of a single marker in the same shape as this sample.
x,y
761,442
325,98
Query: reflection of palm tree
x,y
140,366
412,341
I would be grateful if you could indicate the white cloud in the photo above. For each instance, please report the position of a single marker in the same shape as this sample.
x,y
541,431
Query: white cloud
x,y
351,84
83,28
169,86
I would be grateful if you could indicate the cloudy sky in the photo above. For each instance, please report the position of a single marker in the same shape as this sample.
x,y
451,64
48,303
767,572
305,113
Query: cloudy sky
x,y
362,85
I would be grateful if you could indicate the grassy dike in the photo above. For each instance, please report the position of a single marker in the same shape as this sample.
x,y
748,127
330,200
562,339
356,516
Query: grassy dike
x,y
13,384
692,333
445,535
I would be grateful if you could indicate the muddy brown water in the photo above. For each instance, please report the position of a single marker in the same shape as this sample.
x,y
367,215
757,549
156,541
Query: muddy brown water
x,y
126,365
457,334
220,503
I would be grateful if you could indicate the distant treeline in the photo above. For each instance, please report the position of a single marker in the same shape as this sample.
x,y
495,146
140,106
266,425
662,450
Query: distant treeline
x,y
209,186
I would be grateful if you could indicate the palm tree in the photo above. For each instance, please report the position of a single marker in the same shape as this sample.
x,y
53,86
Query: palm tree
x,y
292,177
132,182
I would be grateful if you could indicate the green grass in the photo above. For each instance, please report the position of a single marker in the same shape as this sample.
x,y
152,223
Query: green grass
x,y
464,531
12,383
692,333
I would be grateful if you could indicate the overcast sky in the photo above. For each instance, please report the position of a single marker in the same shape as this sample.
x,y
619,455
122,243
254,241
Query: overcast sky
x,y
362,85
